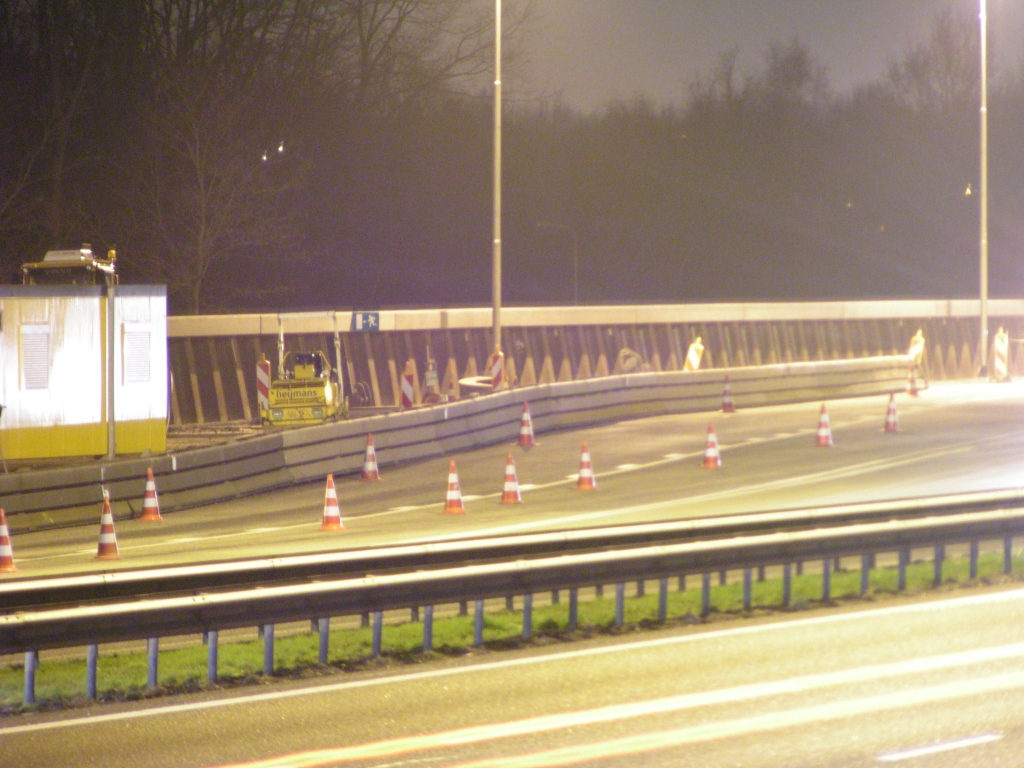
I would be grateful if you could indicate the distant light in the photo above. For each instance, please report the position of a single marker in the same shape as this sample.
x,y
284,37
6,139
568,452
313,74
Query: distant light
x,y
967,192
849,203
280,147
881,227
264,157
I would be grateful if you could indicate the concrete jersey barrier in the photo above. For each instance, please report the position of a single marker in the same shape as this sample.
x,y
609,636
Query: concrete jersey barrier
x,y
71,496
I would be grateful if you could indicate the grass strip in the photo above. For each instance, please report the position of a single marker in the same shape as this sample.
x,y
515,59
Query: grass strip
x,y
122,676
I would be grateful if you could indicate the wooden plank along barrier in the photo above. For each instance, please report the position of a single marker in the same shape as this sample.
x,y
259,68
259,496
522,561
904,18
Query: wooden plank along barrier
x,y
213,358
281,459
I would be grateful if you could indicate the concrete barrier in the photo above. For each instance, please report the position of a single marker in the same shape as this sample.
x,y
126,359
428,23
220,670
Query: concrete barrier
x,y
72,496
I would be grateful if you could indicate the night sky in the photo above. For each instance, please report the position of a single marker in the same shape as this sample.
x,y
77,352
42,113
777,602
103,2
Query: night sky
x,y
591,51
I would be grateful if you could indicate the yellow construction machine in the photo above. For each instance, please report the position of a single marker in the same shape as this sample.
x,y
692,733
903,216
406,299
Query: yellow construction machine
x,y
303,393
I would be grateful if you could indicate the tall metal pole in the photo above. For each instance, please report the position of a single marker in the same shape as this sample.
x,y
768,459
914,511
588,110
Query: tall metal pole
x,y
984,195
496,263
111,370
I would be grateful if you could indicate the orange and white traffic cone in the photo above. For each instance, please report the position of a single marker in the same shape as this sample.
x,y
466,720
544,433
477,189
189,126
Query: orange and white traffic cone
x,y
587,481
912,383
370,471
510,494
728,406
150,504
824,430
712,458
526,428
6,553
892,422
107,549
453,502
332,514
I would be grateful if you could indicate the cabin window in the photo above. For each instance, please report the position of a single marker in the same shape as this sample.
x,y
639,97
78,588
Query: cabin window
x,y
136,355
35,356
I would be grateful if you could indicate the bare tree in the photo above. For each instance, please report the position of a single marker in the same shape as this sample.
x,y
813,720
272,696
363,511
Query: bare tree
x,y
942,72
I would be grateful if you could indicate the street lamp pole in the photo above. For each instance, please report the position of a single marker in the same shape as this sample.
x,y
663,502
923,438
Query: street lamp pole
x,y
984,195
496,261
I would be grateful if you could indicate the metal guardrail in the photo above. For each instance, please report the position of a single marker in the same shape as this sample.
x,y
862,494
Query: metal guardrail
x,y
22,594
209,613
70,627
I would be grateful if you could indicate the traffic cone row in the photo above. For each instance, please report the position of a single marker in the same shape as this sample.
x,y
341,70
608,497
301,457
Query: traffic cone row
x,y
453,502
510,493
150,504
6,553
728,406
107,549
526,429
712,457
370,471
332,514
586,481
892,423
824,430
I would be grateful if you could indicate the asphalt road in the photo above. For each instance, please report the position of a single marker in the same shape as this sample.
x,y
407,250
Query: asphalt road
x,y
956,437
937,681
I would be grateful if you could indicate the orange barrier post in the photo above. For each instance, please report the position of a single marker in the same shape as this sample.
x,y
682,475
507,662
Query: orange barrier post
x,y
587,481
370,471
526,428
712,457
728,406
6,552
453,502
107,549
150,503
510,494
892,422
824,430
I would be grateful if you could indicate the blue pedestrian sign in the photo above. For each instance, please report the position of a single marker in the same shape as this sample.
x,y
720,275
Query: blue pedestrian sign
x,y
366,321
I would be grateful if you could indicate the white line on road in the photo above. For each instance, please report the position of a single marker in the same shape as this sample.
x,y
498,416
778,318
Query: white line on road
x,y
912,666
933,749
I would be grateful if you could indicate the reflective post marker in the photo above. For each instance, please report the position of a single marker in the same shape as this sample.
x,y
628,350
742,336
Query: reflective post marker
x,y
211,656
787,585
152,661
31,664
378,633
324,627
92,655
428,628
478,623
268,649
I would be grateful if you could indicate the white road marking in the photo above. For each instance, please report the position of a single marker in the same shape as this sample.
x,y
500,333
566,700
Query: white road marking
x,y
650,742
933,749
913,666
628,466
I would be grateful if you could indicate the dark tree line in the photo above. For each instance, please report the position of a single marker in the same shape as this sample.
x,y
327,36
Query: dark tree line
x,y
275,154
